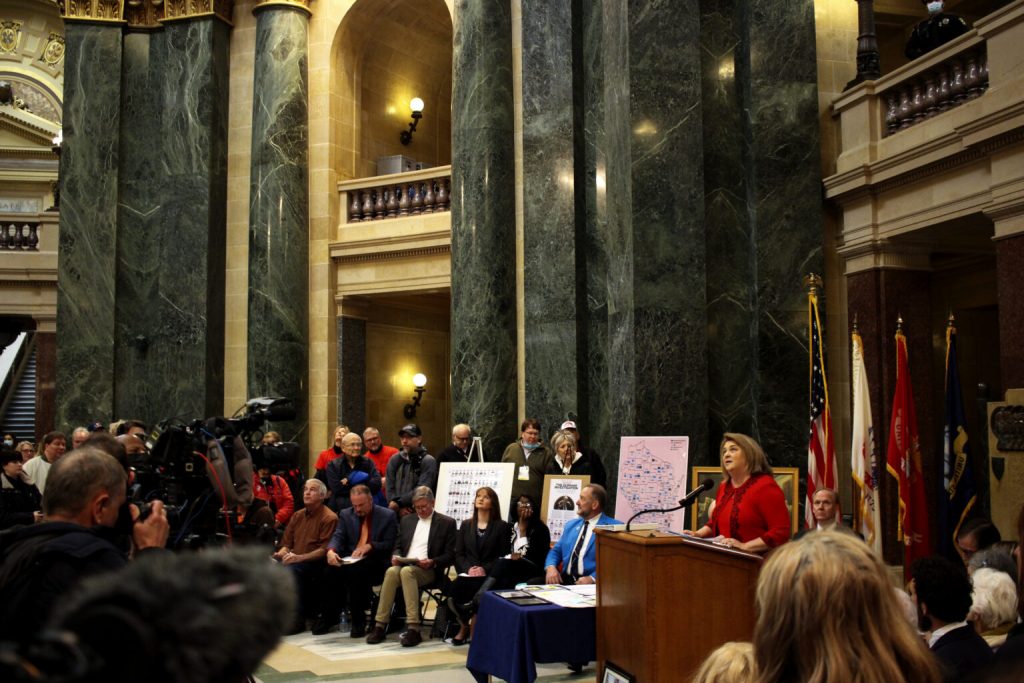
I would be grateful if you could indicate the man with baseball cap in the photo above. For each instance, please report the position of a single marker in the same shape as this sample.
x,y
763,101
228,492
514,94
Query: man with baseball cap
x,y
408,468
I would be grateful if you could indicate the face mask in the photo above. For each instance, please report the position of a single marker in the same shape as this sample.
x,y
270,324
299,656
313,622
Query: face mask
x,y
934,7
9,444
530,446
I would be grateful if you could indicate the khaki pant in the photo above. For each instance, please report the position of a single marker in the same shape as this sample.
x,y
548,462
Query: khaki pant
x,y
410,577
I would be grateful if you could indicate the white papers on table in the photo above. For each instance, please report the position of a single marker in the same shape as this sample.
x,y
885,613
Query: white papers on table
x,y
566,596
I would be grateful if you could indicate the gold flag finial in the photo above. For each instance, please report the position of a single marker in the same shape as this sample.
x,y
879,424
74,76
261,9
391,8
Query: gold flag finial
x,y
951,320
812,283
855,329
899,322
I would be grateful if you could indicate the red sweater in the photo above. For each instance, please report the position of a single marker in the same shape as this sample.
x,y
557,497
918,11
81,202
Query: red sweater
x,y
325,458
279,494
757,509
381,457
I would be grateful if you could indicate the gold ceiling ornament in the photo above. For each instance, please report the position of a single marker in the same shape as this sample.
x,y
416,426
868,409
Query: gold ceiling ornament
x,y
53,53
295,4
189,9
143,14
10,36
92,10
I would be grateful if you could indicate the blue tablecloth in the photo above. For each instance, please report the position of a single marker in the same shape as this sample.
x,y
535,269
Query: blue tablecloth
x,y
508,639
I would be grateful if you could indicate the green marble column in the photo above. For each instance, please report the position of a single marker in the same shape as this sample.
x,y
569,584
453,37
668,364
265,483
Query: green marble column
x,y
279,214
88,224
483,224
171,222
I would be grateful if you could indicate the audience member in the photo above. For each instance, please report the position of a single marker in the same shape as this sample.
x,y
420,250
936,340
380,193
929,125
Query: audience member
x,y
379,455
329,454
530,544
408,469
358,555
8,441
750,509
574,558
826,609
425,549
482,539
569,459
134,446
351,469
269,487
598,474
729,663
303,549
81,506
994,606
942,592
207,617
1009,660
976,533
78,437
20,502
459,449
130,427
37,469
271,438
937,30
825,508
532,460
27,450
998,556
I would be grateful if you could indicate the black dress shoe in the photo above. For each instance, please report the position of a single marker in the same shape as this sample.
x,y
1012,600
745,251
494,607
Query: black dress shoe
x,y
377,635
411,638
576,667
358,631
458,641
323,626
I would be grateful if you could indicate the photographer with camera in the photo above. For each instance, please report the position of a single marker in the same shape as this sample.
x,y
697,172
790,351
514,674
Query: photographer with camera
x,y
408,468
39,564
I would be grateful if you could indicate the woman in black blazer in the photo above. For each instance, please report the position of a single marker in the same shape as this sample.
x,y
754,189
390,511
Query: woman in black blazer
x,y
482,539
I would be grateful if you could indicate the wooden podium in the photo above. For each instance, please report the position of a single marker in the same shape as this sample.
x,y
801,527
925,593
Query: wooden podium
x,y
664,602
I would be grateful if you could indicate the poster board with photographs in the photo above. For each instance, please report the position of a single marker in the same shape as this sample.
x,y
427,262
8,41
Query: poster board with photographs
x,y
457,484
558,507
652,476
788,479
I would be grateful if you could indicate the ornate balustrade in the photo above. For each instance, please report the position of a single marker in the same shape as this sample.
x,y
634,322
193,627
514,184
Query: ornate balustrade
x,y
950,83
396,195
18,233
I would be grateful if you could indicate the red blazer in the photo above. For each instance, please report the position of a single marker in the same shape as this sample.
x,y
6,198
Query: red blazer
x,y
757,509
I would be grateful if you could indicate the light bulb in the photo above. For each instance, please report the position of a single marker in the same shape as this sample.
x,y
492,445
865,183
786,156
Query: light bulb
x,y
419,380
416,104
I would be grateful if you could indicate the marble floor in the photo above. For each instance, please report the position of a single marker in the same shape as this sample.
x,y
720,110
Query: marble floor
x,y
306,658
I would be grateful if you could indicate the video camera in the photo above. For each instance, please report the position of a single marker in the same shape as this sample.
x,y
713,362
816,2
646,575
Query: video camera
x,y
203,470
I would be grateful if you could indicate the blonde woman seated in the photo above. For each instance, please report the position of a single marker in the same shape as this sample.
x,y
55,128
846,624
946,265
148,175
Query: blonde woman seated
x,y
750,509
730,663
826,613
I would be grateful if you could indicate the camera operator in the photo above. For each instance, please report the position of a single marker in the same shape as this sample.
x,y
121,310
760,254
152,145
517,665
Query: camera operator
x,y
39,564
408,468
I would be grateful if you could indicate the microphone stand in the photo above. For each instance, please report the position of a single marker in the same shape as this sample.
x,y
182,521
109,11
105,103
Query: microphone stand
x,y
682,504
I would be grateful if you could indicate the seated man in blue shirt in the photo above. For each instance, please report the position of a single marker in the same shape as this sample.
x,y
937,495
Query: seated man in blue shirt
x,y
576,551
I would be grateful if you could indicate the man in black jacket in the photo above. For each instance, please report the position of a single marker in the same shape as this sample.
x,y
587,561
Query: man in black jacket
x,y
942,592
39,564
425,548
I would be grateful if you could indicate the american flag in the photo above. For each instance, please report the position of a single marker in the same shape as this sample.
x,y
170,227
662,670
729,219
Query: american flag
x,y
821,456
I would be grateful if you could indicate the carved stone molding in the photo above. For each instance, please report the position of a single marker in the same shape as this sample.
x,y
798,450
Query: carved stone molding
x,y
303,5
190,9
883,255
92,10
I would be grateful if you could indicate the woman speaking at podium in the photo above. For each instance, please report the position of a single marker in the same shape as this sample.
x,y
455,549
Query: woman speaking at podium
x,y
750,509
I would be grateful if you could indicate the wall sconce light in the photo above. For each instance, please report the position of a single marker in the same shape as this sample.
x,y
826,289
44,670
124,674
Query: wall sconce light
x,y
416,104
419,380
